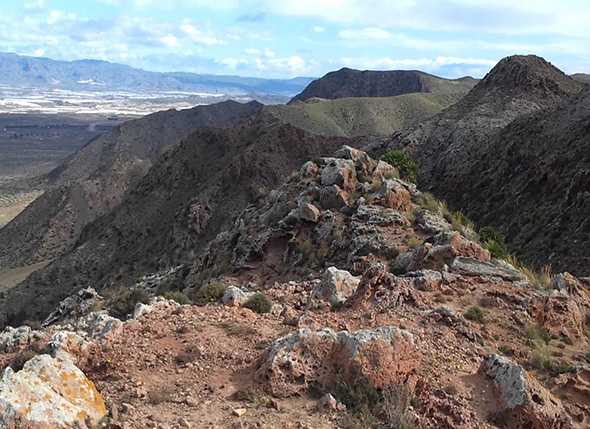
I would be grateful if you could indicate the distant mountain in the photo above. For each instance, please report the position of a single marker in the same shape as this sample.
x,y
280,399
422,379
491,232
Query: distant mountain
x,y
93,181
582,77
24,71
355,83
190,195
363,116
450,144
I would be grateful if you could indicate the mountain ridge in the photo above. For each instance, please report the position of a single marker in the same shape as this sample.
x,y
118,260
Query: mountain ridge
x,y
98,75
348,82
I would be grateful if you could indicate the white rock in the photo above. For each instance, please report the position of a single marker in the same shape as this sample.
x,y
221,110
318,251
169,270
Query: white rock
x,y
49,393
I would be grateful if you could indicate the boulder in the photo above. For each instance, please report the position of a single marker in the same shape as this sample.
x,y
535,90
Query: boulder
x,y
339,172
16,339
308,212
49,393
524,403
336,286
157,303
99,325
71,343
333,197
384,171
432,223
474,267
73,307
560,315
235,297
380,357
395,195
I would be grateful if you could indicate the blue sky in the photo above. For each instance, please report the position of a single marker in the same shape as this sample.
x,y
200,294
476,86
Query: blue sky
x,y
286,38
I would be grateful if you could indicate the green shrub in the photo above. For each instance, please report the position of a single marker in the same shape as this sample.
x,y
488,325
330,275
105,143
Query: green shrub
x,y
506,350
258,303
537,334
122,302
403,162
209,293
475,314
494,241
541,356
177,296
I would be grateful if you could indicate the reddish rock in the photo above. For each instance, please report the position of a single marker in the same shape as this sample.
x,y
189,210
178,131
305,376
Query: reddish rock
x,y
395,195
383,356
525,404
560,315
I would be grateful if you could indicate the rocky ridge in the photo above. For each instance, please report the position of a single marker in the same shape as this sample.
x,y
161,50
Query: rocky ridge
x,y
441,334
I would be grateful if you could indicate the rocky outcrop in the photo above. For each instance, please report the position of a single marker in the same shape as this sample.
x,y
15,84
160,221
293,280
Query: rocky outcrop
x,y
74,307
16,339
525,404
442,250
381,357
49,393
336,286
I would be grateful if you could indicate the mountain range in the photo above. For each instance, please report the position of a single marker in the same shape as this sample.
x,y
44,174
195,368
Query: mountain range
x,y
94,75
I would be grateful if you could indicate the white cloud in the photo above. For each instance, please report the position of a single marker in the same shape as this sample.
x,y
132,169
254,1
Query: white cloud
x,y
199,37
232,63
410,63
170,41
369,33
318,29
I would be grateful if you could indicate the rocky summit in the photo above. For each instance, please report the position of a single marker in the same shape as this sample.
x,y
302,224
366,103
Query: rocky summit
x,y
343,298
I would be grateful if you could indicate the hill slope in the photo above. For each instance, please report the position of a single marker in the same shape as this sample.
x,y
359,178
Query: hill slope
x,y
94,180
448,145
582,77
363,116
186,199
355,83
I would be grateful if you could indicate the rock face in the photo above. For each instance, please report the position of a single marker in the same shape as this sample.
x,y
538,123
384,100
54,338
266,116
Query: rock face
x,y
525,403
355,83
49,393
381,357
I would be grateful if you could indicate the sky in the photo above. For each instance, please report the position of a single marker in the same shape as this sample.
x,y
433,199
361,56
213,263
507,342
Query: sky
x,y
288,38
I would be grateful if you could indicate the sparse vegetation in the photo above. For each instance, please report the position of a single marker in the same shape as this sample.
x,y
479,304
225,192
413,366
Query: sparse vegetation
x,y
235,329
475,314
373,408
494,241
258,303
177,296
459,221
403,162
506,350
209,293
540,279
537,333
122,302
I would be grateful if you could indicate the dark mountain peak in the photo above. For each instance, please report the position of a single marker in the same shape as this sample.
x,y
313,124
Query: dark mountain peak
x,y
348,82
528,73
